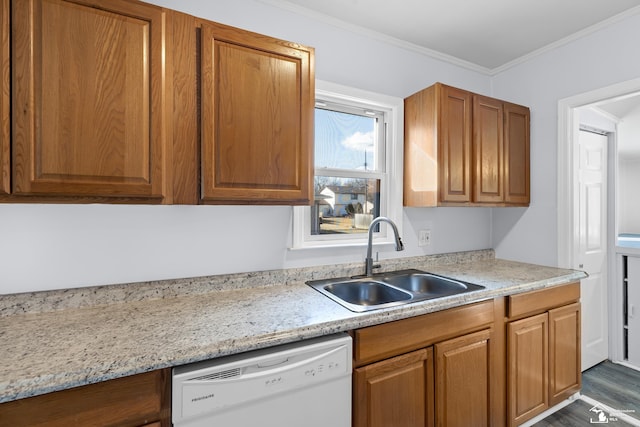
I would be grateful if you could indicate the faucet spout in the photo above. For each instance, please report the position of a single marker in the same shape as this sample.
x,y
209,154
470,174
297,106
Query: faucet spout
x,y
368,262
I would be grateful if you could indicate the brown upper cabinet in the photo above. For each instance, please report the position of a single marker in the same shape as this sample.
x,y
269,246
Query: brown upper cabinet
x,y
5,99
465,149
89,99
257,118
120,101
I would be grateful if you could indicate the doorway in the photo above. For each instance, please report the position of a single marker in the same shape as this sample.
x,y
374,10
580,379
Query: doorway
x,y
597,342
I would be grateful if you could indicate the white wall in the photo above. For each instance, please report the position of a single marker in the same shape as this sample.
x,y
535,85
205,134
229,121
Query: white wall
x,y
597,60
629,195
629,173
62,246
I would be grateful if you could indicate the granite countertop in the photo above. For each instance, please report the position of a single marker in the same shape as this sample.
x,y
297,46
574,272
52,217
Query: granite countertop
x,y
76,337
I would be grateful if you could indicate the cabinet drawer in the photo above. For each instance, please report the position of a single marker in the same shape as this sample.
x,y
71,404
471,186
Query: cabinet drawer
x,y
390,339
135,400
542,300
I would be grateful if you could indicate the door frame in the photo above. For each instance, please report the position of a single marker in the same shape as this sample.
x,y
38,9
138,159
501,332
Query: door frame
x,y
567,229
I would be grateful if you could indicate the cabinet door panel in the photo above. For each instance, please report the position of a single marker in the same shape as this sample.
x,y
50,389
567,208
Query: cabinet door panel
x,y
516,154
5,151
463,376
257,108
421,149
488,150
527,368
88,98
564,352
396,392
455,145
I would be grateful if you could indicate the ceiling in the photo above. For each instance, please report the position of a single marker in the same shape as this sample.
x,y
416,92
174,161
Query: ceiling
x,y
619,108
486,35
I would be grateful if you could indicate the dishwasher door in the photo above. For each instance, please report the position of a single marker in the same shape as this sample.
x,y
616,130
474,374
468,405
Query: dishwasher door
x,y
307,383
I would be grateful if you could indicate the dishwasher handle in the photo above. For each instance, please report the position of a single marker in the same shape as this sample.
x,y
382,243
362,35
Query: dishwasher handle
x,y
253,370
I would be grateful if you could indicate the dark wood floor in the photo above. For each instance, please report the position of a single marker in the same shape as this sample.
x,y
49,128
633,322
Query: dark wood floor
x,y
615,386
578,414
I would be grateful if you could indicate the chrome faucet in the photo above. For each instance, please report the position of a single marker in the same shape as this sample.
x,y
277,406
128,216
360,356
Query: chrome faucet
x,y
368,262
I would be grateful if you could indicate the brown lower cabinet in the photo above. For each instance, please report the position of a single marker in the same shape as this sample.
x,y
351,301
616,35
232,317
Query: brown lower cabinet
x,y
453,378
492,363
543,350
137,400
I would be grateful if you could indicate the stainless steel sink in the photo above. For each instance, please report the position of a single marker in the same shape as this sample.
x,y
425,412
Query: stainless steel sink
x,y
426,283
389,289
365,293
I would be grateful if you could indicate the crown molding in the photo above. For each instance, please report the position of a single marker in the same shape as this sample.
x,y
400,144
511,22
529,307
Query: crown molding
x,y
357,29
286,5
566,40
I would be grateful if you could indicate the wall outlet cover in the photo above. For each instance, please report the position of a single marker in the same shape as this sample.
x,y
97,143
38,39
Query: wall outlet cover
x,y
424,237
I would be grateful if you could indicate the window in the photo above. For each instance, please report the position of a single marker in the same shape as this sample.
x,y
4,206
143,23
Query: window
x,y
358,159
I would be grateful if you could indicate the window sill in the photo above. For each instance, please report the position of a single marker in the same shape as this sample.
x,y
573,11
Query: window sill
x,y
337,245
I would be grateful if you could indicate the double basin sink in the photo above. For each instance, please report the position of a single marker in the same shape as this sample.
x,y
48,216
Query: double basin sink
x,y
390,289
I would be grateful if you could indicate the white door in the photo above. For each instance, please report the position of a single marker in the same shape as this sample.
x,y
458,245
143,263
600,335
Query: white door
x,y
592,245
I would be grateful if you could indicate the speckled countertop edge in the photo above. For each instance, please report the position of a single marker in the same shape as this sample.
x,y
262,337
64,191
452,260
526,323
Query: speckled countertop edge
x,y
45,351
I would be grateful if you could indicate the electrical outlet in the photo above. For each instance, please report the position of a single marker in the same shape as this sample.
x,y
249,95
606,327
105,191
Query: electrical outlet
x,y
424,238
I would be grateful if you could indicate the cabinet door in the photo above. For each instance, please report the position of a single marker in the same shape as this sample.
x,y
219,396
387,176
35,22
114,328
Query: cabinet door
x,y
454,145
564,352
396,392
463,377
488,150
516,154
89,98
5,92
257,118
527,368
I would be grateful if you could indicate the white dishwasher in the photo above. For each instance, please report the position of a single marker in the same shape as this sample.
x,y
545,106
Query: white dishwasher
x,y
307,383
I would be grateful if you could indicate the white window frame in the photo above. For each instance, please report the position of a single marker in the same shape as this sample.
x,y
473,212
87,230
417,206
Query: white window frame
x,y
391,186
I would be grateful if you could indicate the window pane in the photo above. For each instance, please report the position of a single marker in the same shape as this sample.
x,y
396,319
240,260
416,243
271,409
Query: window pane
x,y
344,205
344,140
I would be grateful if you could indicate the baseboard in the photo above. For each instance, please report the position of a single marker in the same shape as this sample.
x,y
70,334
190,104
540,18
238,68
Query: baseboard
x,y
626,364
618,413
552,410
